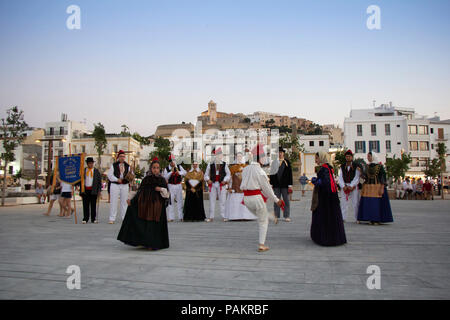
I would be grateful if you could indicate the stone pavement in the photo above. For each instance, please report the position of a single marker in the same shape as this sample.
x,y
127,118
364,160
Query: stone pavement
x,y
219,260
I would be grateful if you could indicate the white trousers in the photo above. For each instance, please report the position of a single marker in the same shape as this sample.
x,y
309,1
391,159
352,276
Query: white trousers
x,y
118,191
345,204
400,193
215,190
258,207
176,193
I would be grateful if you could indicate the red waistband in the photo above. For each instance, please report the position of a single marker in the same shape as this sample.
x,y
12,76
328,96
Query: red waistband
x,y
254,193
88,188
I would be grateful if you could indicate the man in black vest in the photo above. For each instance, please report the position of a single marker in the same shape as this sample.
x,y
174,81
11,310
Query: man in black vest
x,y
217,175
92,190
119,186
174,174
348,181
281,181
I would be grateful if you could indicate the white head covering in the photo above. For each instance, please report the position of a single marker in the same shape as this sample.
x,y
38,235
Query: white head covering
x,y
323,157
374,157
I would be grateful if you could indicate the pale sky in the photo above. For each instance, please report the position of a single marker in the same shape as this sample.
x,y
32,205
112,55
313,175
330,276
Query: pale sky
x,y
146,63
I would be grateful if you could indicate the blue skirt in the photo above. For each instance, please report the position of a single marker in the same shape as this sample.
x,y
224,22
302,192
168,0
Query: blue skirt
x,y
375,209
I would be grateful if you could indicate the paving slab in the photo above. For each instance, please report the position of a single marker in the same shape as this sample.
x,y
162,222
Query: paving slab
x,y
219,261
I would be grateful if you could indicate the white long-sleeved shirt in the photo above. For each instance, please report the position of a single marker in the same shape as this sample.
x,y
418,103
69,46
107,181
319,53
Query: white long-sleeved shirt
x,y
227,177
353,183
254,178
112,177
168,174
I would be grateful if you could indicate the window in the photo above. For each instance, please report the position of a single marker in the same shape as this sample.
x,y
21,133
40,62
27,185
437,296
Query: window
x,y
83,149
387,129
320,143
74,149
423,129
413,146
360,147
10,169
432,146
373,129
52,131
60,153
412,129
398,126
424,146
359,130
61,131
115,148
374,146
431,130
311,143
388,146
414,162
441,133
423,162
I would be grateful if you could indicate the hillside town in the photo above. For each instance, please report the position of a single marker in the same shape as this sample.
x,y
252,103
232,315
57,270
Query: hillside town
x,y
387,130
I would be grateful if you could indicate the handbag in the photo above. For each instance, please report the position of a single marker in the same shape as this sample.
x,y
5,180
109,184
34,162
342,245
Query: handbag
x,y
372,190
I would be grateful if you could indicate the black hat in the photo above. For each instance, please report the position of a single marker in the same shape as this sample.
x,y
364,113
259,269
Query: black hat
x,y
280,149
89,159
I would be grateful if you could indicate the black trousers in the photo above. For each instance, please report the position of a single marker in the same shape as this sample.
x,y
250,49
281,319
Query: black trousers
x,y
89,206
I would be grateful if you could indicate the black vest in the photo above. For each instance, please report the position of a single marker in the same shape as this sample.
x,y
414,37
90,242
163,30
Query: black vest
x,y
348,175
117,171
174,179
222,172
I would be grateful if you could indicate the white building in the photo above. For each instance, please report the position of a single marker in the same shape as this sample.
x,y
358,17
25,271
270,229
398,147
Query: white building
x,y
312,144
388,131
440,133
64,130
115,142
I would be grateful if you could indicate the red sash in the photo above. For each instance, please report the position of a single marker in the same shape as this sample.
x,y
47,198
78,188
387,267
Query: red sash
x,y
253,193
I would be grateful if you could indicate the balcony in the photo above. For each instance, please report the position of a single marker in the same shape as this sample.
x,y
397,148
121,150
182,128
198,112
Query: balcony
x,y
442,137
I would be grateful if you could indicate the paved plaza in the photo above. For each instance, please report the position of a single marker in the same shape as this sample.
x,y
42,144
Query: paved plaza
x,y
219,260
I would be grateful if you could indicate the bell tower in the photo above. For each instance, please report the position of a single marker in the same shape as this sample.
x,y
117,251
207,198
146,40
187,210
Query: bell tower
x,y
212,112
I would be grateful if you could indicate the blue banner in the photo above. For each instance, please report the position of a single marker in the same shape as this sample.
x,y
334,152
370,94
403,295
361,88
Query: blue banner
x,y
70,168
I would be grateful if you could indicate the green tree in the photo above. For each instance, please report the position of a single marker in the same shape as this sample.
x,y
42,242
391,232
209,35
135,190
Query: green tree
x,y
100,144
203,165
441,150
433,168
12,133
144,141
286,142
138,172
125,131
162,151
397,167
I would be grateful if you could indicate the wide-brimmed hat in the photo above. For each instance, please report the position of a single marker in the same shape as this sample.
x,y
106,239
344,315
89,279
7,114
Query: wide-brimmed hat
x,y
89,159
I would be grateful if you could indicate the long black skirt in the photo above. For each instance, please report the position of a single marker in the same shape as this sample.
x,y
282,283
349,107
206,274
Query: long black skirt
x,y
327,227
193,207
139,232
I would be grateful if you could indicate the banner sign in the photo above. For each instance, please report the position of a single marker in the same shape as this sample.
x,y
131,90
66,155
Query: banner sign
x,y
70,169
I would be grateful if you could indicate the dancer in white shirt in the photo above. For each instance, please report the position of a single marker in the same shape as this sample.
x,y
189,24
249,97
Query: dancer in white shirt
x,y
348,181
217,175
174,175
119,186
256,188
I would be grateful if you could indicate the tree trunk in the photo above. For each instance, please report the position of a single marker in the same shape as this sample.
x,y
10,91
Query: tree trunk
x,y
4,184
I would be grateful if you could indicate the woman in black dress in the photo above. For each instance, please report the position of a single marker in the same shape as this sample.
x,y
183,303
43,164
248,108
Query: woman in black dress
x,y
145,222
327,227
193,204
